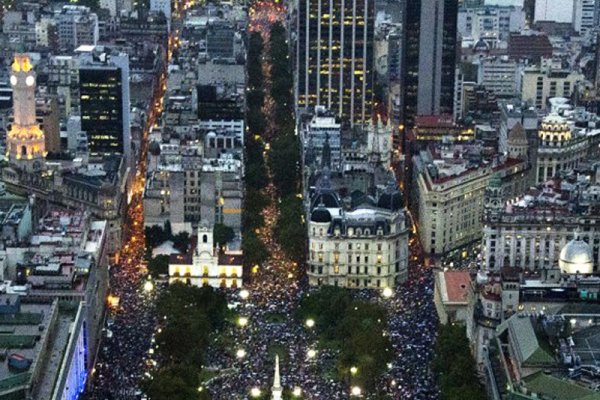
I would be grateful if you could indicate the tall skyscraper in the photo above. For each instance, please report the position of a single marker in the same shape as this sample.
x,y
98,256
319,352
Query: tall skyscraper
x,y
429,57
24,140
335,57
104,100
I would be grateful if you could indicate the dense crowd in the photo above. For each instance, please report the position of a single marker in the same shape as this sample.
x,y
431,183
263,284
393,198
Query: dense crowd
x,y
274,292
130,324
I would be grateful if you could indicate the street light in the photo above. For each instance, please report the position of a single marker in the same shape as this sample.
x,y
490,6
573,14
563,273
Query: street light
x,y
255,392
242,321
297,391
356,391
241,353
387,292
353,370
310,322
311,353
148,286
244,294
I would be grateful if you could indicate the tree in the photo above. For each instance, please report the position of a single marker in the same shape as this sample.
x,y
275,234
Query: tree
x,y
181,241
223,234
290,230
254,249
159,265
168,231
155,235
455,366
284,161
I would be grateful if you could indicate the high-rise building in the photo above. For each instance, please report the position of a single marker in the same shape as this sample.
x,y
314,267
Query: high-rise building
x,y
429,58
335,57
104,100
25,139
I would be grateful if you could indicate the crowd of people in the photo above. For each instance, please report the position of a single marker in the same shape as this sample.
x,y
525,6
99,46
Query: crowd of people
x,y
130,323
275,290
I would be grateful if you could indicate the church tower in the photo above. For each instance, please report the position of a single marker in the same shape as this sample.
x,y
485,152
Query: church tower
x,y
25,139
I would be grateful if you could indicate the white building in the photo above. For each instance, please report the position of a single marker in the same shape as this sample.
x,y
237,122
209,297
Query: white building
x,y
585,16
77,26
490,23
44,29
364,247
554,10
530,232
500,75
163,6
207,265
111,5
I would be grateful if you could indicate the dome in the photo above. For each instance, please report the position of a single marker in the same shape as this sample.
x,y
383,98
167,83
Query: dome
x,y
517,135
554,129
576,258
320,215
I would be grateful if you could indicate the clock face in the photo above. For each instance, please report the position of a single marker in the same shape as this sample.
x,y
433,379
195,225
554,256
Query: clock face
x,y
30,80
13,80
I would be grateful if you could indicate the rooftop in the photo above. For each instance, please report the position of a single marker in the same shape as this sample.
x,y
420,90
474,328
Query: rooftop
x,y
454,286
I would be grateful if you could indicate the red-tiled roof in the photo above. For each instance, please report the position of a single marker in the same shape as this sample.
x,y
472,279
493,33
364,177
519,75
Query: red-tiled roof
x,y
457,285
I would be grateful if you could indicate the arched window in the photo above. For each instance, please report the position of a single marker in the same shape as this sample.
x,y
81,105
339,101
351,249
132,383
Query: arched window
x,y
204,238
23,150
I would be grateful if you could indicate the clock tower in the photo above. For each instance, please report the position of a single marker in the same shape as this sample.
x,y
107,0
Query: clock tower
x,y
25,139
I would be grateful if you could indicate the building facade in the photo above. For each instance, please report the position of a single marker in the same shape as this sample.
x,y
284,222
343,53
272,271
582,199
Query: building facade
x,y
207,265
365,247
538,86
429,58
335,57
77,26
104,101
449,194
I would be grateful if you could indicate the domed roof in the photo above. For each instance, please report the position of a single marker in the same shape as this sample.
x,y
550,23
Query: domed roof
x,y
576,258
320,215
517,134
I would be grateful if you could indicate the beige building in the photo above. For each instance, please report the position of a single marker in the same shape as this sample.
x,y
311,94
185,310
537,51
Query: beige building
x,y
539,85
449,190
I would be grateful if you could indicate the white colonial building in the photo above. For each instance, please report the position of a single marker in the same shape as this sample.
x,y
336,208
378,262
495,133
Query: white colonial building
x,y
207,265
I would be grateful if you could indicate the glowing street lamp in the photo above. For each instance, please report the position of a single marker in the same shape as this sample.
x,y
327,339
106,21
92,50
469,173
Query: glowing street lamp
x,y
244,294
148,286
356,391
310,323
242,321
353,370
255,392
387,292
311,353
297,391
241,353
